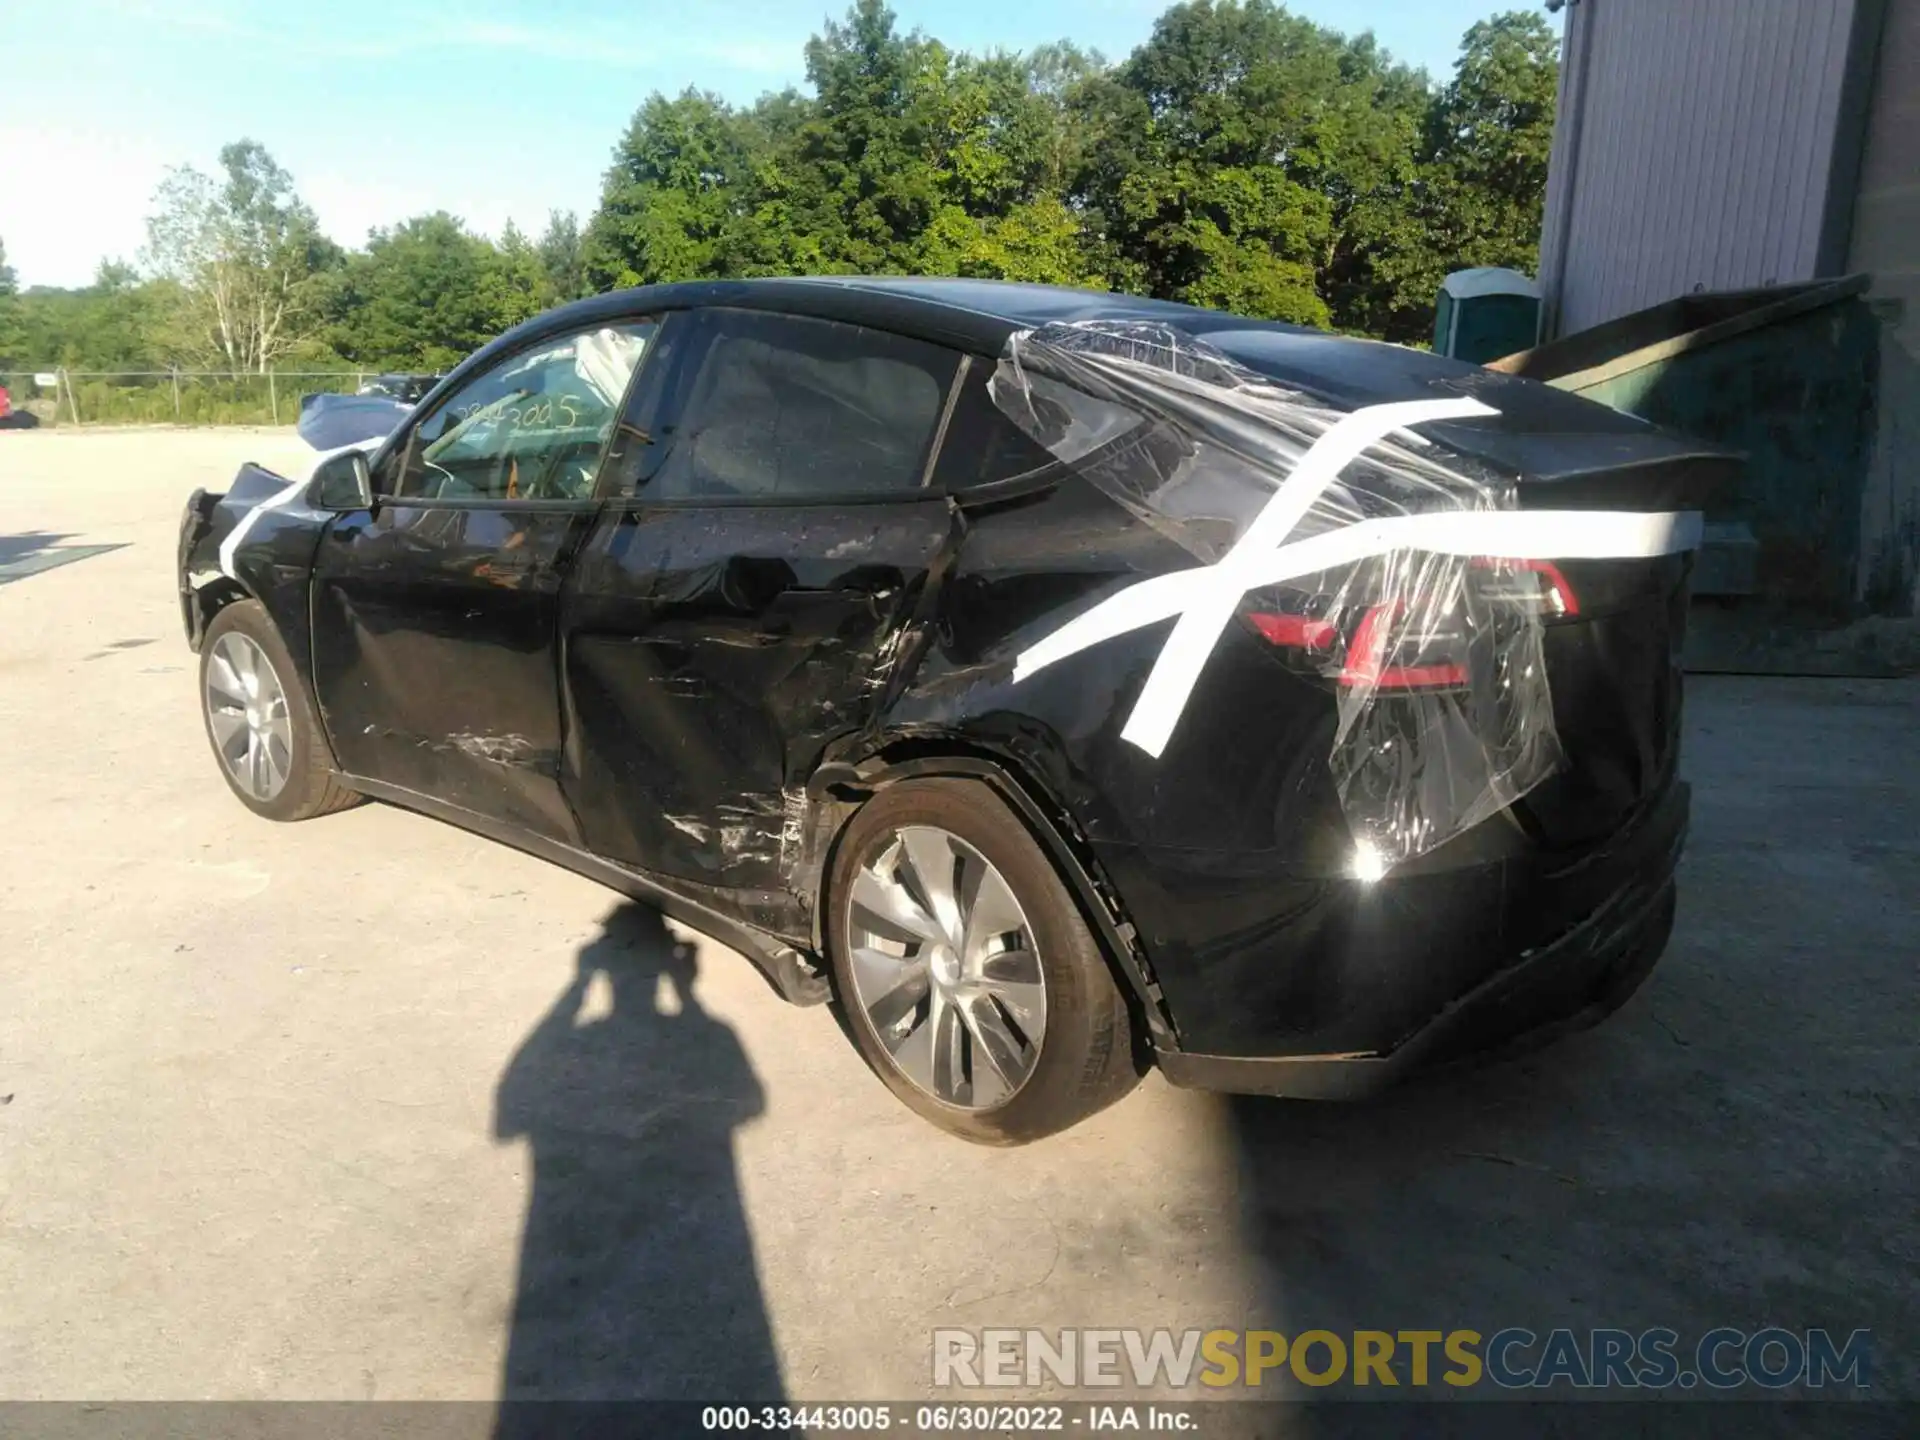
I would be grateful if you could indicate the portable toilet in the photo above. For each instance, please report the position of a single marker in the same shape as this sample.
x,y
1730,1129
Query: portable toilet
x,y
1486,313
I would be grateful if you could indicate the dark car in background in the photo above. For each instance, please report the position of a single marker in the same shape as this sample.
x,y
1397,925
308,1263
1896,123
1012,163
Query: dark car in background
x,y
329,420
719,593
406,388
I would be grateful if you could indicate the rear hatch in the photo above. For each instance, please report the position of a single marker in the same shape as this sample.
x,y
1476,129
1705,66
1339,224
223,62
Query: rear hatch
x,y
1613,641
1612,630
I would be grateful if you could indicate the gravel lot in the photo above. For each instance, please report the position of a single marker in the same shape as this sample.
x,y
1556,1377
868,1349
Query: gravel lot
x,y
297,1111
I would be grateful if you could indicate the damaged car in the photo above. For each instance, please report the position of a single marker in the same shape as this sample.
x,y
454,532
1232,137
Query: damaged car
x,y
1064,684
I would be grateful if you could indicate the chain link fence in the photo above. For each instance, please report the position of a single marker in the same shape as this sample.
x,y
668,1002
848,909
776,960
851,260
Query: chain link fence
x,y
58,396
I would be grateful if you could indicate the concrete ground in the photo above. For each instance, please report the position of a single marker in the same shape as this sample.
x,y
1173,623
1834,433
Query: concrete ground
x,y
298,1111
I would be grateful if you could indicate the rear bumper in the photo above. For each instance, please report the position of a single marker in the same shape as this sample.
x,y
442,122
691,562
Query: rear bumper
x,y
1571,983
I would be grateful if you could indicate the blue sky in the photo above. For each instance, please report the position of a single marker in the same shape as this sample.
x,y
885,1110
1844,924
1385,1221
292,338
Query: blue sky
x,y
491,109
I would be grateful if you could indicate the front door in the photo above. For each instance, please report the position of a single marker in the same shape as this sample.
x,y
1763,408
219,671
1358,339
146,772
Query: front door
x,y
435,612
743,605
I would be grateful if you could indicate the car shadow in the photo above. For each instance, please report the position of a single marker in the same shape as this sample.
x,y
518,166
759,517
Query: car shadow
x,y
1460,1202
1459,1193
1634,1176
637,1276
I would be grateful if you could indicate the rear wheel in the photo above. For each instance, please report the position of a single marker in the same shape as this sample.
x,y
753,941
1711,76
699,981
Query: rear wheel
x,y
261,722
967,976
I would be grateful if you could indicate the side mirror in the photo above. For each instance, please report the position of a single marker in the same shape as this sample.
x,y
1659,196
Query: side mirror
x,y
343,482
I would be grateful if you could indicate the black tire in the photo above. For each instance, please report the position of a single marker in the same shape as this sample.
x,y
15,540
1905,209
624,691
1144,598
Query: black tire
x,y
311,788
1088,1057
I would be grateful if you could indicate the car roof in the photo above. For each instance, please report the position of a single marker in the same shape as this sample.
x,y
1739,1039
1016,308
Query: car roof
x,y
974,315
1027,305
978,316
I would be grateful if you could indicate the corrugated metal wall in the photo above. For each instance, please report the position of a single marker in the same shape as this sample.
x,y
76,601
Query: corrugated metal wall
x,y
1886,222
1701,154
1886,244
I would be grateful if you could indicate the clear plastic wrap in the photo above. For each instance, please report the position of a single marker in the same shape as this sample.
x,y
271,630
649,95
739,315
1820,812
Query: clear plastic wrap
x,y
1342,537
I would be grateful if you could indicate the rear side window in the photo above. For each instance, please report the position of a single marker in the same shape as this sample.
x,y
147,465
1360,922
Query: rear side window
x,y
786,407
983,443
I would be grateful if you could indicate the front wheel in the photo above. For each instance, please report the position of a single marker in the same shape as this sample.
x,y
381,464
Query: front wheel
x,y
261,722
965,972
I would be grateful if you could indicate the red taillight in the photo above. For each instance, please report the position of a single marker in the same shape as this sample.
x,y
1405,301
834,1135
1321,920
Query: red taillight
x,y
1296,632
1367,655
1381,656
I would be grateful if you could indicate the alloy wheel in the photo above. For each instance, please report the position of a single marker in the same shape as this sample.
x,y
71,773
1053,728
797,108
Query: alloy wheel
x,y
247,714
945,969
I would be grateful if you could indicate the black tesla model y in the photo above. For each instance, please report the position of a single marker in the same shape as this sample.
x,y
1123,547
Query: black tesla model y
x,y
1061,683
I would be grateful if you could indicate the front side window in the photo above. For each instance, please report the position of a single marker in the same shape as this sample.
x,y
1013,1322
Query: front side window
x,y
531,428
787,407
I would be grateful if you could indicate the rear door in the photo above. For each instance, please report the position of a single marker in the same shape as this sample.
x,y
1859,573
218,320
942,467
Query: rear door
x,y
436,610
745,599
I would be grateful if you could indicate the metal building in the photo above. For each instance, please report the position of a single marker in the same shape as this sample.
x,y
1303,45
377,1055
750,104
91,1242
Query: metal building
x,y
1720,145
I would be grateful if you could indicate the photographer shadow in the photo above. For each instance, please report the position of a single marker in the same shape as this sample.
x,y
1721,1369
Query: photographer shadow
x,y
637,1276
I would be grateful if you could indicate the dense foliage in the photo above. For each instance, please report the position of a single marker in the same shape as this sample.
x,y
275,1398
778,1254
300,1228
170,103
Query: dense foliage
x,y
12,327
1242,157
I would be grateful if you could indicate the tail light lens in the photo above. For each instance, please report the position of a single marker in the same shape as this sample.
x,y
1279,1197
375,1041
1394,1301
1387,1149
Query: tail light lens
x,y
1382,656
1384,653
1294,632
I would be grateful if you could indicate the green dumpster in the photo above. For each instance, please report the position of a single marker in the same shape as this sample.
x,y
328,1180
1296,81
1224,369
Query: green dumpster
x,y
1788,374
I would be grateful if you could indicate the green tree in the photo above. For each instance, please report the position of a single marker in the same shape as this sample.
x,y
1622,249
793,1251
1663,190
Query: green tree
x,y
13,337
869,186
908,158
247,256
119,322
1366,158
1208,155
1479,184
777,227
562,258
124,322
1489,137
1060,74
524,274
1041,241
677,187
1242,157
428,292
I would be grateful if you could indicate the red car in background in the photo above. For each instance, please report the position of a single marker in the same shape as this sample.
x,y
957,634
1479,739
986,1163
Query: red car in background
x,y
12,419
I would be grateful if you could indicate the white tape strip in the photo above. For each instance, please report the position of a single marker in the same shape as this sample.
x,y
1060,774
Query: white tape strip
x,y
294,491
1205,598
1202,622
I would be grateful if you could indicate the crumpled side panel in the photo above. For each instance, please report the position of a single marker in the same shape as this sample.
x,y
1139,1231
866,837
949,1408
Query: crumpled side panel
x,y
1433,658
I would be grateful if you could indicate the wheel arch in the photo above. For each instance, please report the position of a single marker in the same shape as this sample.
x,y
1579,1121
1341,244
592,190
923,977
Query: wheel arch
x,y
204,602
840,788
